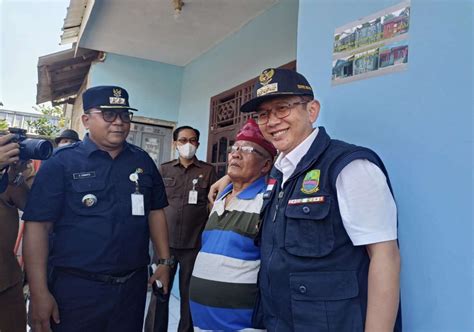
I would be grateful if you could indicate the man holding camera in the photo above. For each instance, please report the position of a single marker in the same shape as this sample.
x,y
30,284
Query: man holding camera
x,y
101,199
13,194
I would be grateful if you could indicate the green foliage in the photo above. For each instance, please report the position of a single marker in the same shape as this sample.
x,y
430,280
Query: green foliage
x,y
3,125
52,121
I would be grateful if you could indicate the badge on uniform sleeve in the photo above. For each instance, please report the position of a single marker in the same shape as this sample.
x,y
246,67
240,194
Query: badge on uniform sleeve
x,y
311,182
89,200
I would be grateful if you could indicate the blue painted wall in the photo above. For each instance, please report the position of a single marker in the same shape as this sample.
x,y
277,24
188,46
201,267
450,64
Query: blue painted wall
x,y
420,122
154,87
268,40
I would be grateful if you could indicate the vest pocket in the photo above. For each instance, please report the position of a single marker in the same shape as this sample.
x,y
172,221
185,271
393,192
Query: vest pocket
x,y
325,301
309,230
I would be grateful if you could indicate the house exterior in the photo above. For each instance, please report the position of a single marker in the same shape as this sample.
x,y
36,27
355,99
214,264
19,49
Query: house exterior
x,y
342,68
395,26
419,120
368,33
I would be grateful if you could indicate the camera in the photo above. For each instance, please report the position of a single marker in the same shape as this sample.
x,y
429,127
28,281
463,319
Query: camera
x,y
31,148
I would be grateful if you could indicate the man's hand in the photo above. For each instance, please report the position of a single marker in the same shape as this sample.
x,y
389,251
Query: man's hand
x,y
162,274
217,187
43,307
9,151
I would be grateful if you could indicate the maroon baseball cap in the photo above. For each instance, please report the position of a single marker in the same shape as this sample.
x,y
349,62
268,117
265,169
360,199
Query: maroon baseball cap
x,y
250,132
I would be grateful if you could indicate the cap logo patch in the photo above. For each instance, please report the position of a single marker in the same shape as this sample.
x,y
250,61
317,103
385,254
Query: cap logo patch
x,y
116,101
304,87
266,76
266,89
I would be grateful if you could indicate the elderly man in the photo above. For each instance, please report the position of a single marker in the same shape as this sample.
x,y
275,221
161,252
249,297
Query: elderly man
x,y
101,199
224,281
330,259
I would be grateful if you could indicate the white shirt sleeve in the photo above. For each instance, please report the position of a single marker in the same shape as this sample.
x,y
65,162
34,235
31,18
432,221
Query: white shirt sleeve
x,y
367,207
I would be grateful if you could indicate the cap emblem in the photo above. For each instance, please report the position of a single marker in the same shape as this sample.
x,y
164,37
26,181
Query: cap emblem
x,y
266,89
266,76
117,92
117,98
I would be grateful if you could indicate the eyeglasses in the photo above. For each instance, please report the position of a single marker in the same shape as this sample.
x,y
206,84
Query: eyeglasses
x,y
111,116
184,140
246,149
280,110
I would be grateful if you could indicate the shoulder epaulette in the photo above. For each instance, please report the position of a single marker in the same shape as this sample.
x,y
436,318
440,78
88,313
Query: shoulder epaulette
x,y
168,162
65,147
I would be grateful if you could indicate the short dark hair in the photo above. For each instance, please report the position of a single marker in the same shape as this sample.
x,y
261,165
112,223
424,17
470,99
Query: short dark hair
x,y
177,130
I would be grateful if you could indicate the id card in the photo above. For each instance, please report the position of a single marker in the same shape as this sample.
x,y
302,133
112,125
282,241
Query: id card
x,y
138,207
193,197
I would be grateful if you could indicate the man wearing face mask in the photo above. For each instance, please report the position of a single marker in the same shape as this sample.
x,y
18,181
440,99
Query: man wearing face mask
x,y
187,181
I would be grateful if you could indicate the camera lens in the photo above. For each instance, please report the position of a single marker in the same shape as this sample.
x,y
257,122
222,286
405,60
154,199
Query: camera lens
x,y
35,149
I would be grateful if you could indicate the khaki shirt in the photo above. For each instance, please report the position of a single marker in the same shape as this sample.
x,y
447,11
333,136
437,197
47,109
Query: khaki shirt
x,y
10,271
186,221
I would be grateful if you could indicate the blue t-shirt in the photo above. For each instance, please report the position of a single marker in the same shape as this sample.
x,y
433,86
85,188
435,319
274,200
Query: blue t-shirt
x,y
104,237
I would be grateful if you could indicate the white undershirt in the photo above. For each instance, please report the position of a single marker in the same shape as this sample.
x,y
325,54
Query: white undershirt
x,y
368,211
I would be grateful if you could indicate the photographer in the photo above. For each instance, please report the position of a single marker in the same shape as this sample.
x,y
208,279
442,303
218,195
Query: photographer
x,y
13,193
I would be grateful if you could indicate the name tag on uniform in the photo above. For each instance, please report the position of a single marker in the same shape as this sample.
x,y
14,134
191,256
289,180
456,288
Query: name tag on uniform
x,y
138,207
83,175
193,197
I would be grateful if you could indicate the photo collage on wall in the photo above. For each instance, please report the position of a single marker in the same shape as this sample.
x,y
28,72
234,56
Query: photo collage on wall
x,y
372,46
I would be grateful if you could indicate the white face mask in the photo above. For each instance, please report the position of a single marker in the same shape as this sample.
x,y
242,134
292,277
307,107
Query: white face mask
x,y
186,151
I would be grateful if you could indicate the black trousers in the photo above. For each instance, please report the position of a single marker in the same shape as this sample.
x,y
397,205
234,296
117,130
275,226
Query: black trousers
x,y
157,315
94,306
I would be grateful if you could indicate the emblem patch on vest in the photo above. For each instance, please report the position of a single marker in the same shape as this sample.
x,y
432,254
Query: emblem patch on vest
x,y
311,182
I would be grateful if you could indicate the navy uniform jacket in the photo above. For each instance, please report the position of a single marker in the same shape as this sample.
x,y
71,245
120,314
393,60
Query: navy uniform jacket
x,y
312,278
105,237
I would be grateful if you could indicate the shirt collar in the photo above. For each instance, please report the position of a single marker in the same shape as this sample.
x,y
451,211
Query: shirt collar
x,y
195,162
286,163
250,192
90,147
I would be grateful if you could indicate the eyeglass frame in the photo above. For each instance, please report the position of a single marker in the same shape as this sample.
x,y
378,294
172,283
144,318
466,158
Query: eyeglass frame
x,y
117,114
184,140
245,149
272,110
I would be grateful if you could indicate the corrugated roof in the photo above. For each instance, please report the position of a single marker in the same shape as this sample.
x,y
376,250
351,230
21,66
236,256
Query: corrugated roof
x,y
61,74
75,18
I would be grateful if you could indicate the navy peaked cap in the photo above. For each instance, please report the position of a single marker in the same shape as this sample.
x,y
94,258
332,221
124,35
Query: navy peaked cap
x,y
275,82
106,97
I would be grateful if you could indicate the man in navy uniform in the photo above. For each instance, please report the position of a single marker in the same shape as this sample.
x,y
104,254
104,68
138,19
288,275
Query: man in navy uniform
x,y
101,199
329,254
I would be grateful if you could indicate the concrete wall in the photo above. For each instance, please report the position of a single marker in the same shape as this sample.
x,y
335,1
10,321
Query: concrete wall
x,y
154,87
268,40
420,122
173,93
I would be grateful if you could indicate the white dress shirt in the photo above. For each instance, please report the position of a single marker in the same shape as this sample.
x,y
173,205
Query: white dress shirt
x,y
367,207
